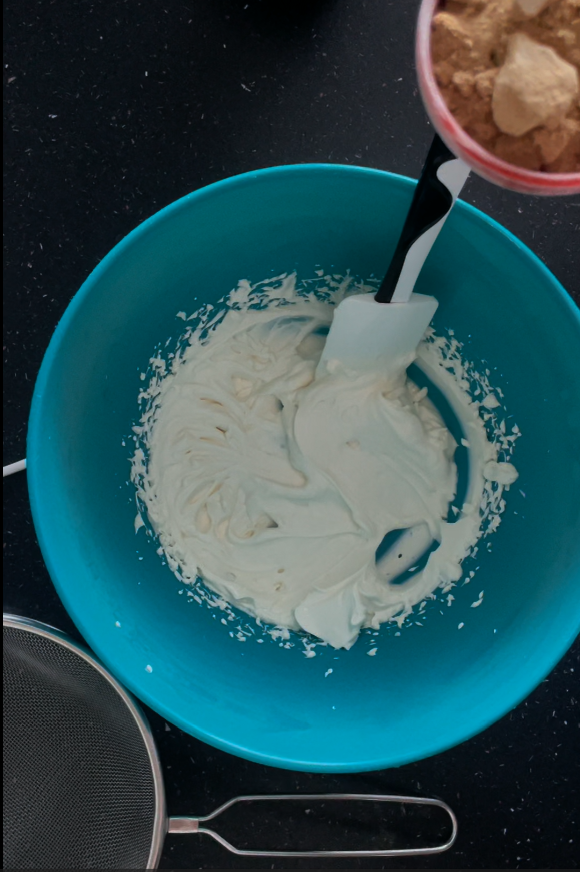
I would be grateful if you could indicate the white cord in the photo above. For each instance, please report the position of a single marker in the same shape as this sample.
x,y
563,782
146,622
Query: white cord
x,y
13,467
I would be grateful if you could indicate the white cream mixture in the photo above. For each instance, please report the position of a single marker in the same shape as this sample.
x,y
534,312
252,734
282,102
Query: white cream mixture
x,y
278,489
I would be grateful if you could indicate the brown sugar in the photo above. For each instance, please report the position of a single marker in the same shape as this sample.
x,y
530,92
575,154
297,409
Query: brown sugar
x,y
509,73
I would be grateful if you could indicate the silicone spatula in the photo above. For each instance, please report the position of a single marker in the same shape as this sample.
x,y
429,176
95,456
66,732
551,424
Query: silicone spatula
x,y
383,330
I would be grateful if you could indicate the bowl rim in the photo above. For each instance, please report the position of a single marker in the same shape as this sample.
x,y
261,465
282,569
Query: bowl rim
x,y
35,485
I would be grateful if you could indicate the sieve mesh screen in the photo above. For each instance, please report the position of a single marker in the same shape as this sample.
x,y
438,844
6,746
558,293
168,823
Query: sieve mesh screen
x,y
79,790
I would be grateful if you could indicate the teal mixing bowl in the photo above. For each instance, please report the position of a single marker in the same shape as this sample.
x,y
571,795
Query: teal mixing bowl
x,y
426,689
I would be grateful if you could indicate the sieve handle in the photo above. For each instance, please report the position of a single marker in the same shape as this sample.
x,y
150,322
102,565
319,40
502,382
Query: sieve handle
x,y
194,825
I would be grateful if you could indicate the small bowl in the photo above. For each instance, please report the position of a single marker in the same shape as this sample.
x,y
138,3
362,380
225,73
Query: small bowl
x,y
481,160
433,685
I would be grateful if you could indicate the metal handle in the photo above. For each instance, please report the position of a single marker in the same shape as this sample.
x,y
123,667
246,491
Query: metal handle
x,y
192,825
19,466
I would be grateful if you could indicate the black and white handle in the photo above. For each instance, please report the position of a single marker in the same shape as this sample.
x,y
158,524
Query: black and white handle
x,y
441,181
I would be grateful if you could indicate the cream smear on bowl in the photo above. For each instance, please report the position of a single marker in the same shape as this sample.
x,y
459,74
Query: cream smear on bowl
x,y
278,490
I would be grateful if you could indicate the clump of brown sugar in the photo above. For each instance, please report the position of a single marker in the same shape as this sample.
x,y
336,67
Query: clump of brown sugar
x,y
509,73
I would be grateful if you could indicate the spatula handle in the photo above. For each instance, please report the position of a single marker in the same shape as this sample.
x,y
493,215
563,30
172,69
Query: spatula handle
x,y
441,181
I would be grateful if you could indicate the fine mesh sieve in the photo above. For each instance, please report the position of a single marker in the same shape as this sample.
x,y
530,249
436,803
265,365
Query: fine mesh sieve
x,y
82,782
82,786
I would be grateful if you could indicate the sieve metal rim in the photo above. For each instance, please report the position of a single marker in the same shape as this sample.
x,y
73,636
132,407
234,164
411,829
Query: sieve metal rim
x,y
38,628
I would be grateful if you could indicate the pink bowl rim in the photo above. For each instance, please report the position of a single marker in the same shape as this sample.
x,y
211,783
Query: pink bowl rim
x,y
482,161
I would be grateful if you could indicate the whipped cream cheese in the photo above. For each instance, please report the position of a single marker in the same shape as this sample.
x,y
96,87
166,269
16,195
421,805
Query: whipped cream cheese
x,y
278,488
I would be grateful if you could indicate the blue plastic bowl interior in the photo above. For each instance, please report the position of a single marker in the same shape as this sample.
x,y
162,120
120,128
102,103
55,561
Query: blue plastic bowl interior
x,y
425,690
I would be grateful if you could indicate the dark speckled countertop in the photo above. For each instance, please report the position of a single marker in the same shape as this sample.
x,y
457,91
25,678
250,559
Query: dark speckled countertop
x,y
113,110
